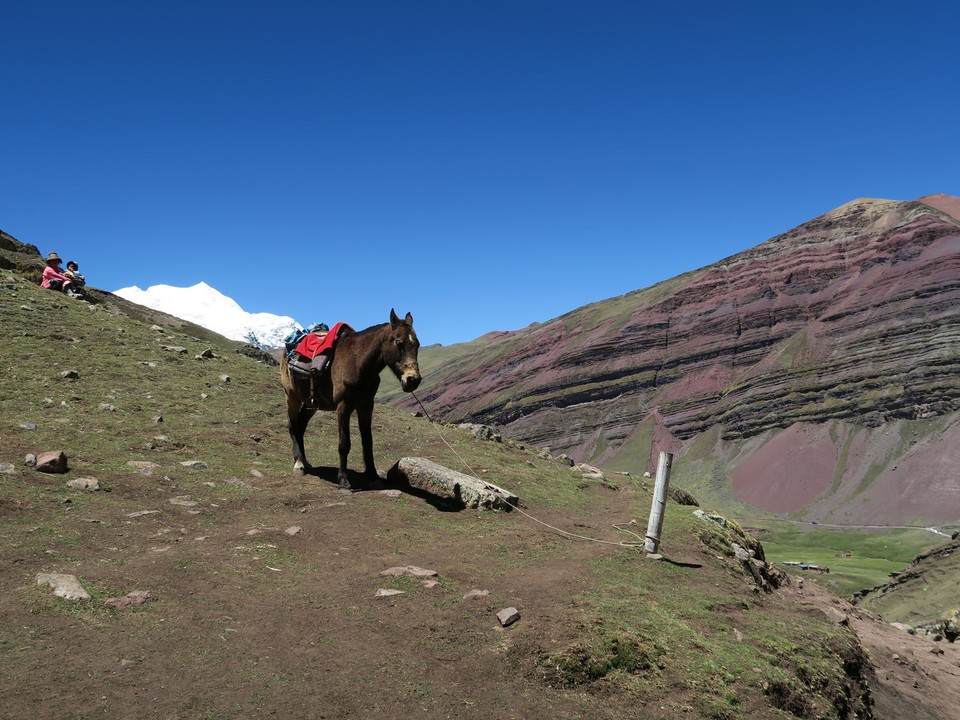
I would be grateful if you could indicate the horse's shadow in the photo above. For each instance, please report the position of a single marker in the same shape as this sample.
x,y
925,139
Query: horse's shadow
x,y
360,483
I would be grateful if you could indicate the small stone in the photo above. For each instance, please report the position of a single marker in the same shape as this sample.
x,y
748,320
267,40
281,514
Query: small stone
x,y
137,597
411,570
392,493
207,354
70,375
7,469
225,379
65,586
141,513
256,473
157,419
106,406
738,635
28,426
194,464
183,501
508,616
293,530
237,482
143,467
384,592
52,462
429,583
475,593
90,484
175,349
156,328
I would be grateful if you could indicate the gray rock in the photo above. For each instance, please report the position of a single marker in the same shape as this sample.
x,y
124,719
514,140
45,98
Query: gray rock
x,y
141,513
293,530
106,406
411,570
65,586
508,616
28,426
194,464
70,375
175,349
183,501
7,469
475,593
483,432
225,379
89,484
439,480
144,467
385,592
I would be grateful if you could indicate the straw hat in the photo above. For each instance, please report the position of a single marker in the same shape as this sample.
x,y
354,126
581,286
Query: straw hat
x,y
53,257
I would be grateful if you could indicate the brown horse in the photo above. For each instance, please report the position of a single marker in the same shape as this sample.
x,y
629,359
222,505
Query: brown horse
x,y
350,385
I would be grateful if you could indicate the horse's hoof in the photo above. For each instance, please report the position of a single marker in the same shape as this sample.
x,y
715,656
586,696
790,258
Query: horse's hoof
x,y
299,469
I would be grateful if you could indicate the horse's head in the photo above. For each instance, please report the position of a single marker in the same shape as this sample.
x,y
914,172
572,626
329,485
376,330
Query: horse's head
x,y
401,351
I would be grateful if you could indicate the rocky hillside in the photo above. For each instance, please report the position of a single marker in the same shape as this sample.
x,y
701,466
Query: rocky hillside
x,y
797,376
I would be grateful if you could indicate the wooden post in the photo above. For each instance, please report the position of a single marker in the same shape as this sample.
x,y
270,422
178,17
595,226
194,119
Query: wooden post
x,y
655,523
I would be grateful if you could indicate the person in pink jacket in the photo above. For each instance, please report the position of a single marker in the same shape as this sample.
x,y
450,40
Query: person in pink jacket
x,y
53,277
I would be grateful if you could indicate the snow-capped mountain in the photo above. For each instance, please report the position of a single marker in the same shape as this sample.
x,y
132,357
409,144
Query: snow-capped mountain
x,y
209,308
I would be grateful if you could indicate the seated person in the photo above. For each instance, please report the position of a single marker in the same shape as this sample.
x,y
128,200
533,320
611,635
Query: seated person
x,y
73,273
53,275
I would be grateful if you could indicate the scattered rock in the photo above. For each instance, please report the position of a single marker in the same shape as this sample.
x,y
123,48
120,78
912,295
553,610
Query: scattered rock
x,y
91,484
141,513
28,426
137,597
411,570
106,406
183,501
157,328
483,432
225,379
157,419
237,482
508,616
207,354
175,349
256,473
294,530
385,592
392,493
143,467
194,464
70,375
52,462
475,593
65,586
471,491
7,469
429,583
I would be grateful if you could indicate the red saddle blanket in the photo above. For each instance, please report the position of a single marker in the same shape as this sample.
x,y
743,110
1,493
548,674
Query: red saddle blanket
x,y
313,344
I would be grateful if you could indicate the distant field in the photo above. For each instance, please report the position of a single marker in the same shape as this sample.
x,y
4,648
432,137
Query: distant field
x,y
873,554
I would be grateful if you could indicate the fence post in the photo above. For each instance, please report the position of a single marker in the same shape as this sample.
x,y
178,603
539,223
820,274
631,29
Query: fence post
x,y
655,522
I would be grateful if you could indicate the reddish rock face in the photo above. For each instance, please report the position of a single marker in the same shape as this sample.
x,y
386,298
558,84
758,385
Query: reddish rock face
x,y
851,318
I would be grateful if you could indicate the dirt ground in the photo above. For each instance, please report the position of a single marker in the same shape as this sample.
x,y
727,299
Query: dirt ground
x,y
914,676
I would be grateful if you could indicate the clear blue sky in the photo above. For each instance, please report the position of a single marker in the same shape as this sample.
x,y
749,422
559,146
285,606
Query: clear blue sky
x,y
483,164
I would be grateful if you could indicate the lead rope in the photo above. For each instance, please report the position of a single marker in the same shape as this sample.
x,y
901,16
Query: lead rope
x,y
473,474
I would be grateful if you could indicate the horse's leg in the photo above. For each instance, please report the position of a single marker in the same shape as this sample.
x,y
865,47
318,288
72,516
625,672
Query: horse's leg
x,y
364,421
298,417
343,446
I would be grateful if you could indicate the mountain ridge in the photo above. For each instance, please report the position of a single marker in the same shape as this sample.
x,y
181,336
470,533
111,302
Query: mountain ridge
x,y
848,321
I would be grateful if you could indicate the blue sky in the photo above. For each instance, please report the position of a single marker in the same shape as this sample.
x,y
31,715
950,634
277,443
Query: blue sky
x,y
483,164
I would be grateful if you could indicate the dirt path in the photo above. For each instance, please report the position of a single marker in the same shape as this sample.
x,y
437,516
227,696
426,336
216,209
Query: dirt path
x,y
915,676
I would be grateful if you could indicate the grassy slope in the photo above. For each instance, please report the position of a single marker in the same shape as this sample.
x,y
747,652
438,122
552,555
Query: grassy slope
x,y
605,633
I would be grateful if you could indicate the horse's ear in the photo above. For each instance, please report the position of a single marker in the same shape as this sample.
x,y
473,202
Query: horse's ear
x,y
394,320
409,319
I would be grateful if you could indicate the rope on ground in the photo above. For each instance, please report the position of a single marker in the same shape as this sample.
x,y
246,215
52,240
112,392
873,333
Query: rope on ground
x,y
473,474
